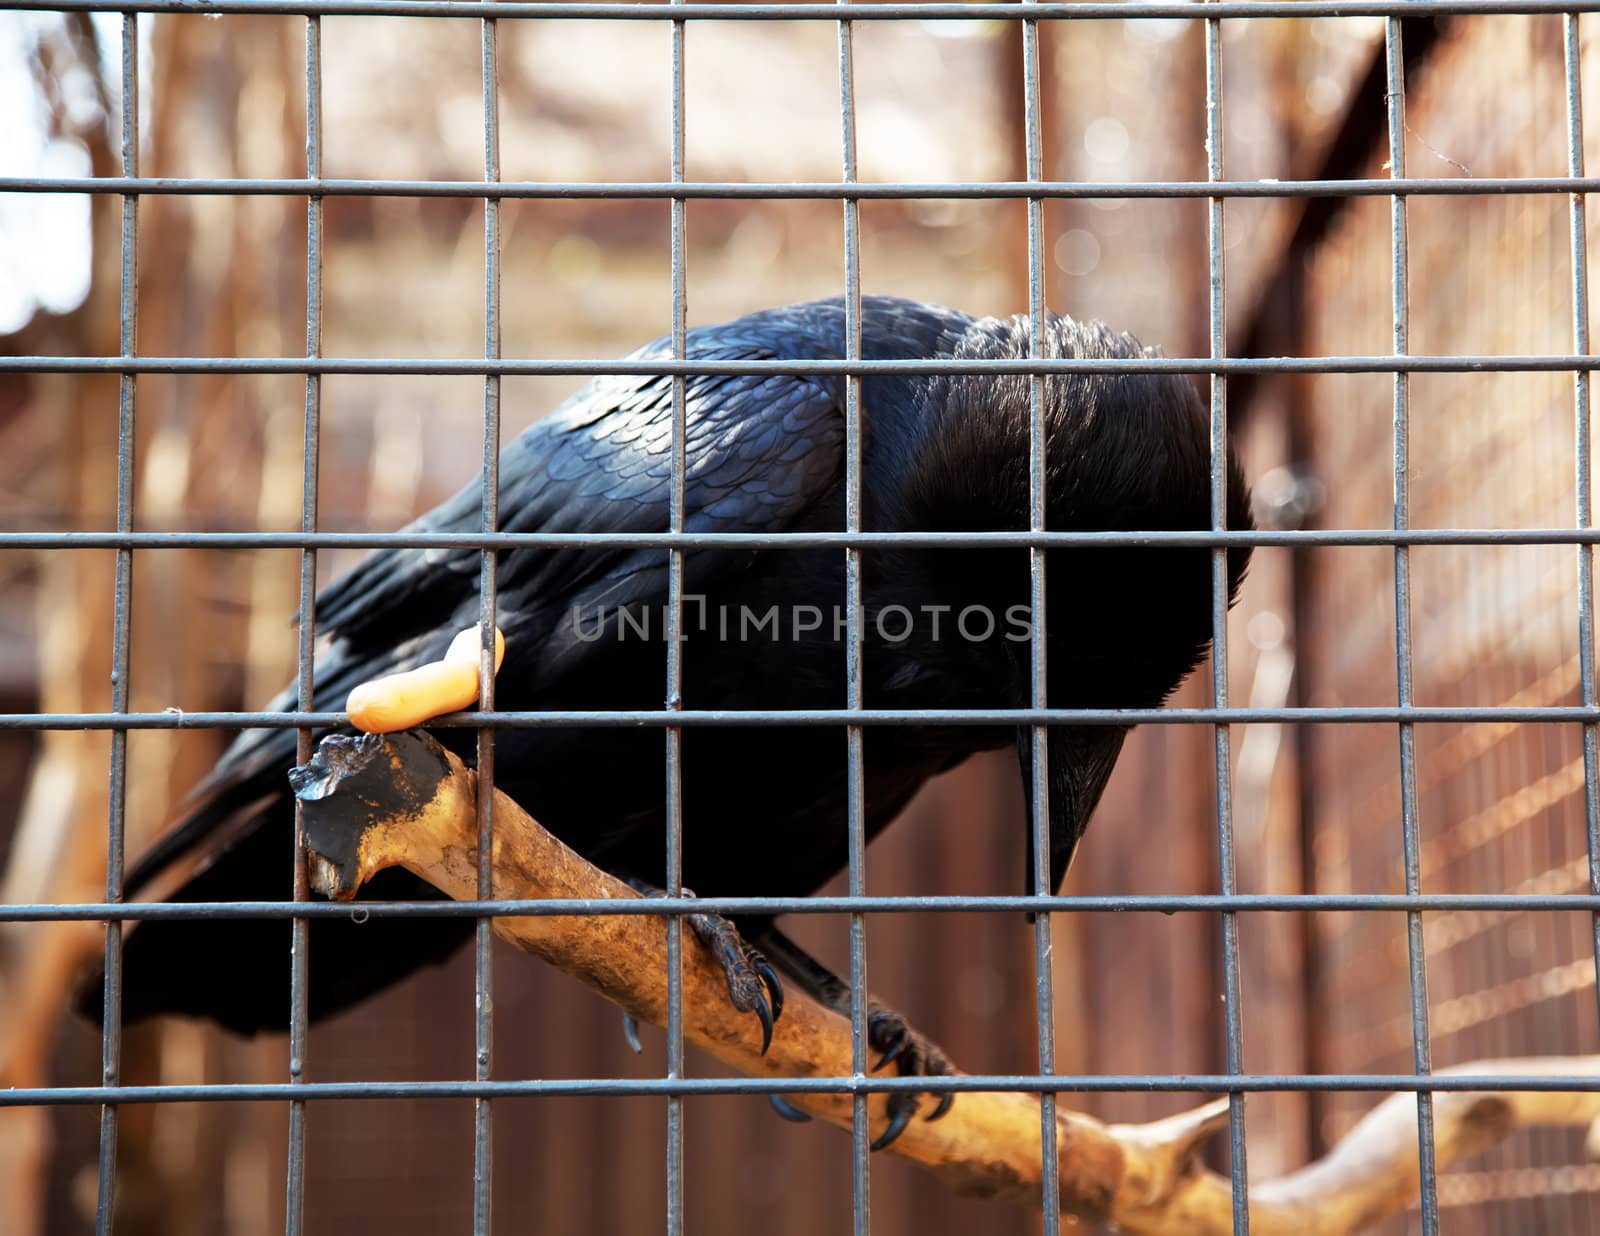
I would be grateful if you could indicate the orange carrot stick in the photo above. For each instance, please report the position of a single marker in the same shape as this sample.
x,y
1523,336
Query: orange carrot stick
x,y
400,701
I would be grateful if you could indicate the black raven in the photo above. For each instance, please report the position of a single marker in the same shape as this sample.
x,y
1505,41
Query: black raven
x,y
764,808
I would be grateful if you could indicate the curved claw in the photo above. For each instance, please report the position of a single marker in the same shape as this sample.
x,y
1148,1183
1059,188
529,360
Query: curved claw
x,y
788,1110
630,1031
893,1053
897,1125
769,976
753,985
764,1011
945,1100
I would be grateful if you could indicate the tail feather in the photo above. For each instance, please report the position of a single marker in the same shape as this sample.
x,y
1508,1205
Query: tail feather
x,y
255,768
236,971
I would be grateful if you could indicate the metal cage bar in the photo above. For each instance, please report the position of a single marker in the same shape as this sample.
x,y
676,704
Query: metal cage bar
x,y
743,190
1118,903
1132,190
855,772
1217,335
790,540
843,10
674,668
655,1087
1385,364
121,636
1583,458
1039,770
175,719
489,521
1415,948
299,947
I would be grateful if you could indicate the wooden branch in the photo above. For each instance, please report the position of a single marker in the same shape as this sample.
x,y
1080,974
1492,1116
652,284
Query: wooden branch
x,y
401,800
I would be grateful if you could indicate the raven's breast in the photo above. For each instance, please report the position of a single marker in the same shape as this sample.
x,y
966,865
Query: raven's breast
x,y
764,805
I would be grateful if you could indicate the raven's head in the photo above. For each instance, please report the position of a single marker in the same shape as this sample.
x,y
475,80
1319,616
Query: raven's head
x,y
1124,452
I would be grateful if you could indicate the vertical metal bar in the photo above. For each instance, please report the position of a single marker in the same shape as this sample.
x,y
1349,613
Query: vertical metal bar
x,y
294,1206
1581,452
483,968
855,801
1421,1050
1221,736
122,603
1039,788
674,693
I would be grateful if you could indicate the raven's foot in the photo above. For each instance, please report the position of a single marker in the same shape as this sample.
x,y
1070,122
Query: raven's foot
x,y
888,1033
915,1055
753,985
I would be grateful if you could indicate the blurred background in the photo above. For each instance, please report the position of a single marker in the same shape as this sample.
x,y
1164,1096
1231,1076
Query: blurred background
x,y
1316,806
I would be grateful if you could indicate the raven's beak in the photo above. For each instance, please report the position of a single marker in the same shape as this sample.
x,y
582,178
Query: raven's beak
x,y
1080,760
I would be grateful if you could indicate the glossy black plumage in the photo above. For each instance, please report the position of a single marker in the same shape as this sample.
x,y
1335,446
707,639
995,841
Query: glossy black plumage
x,y
764,808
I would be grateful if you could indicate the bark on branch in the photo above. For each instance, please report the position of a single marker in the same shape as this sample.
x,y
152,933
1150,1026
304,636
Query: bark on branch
x,y
401,800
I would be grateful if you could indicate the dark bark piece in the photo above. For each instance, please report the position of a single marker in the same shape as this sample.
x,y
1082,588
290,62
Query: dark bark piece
x,y
357,782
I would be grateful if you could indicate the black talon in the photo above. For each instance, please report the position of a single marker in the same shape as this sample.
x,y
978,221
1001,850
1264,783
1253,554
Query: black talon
x,y
788,1110
893,1052
913,1054
898,1119
753,985
769,976
764,1011
888,1030
630,1031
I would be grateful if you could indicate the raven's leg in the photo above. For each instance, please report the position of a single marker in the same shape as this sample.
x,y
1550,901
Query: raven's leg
x,y
753,986
887,1031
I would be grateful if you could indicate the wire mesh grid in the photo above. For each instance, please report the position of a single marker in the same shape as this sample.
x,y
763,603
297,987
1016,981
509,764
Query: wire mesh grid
x,y
1580,891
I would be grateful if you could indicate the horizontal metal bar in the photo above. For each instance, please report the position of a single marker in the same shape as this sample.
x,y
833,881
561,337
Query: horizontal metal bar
x,y
1287,538
478,367
656,1087
1443,903
177,719
825,190
546,9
